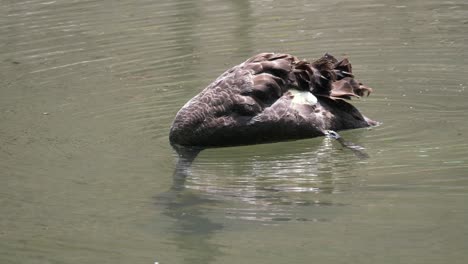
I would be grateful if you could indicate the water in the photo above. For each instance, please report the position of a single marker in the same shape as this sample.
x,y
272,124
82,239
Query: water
x,y
89,90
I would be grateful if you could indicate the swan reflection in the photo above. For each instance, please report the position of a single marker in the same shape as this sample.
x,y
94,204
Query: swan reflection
x,y
267,182
256,179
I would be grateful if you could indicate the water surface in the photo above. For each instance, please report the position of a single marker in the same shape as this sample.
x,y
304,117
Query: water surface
x,y
88,90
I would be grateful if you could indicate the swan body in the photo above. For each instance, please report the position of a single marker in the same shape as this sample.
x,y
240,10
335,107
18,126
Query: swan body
x,y
271,97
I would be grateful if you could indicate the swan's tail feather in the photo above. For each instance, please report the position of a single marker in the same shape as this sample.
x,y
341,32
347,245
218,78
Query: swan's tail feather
x,y
342,84
325,76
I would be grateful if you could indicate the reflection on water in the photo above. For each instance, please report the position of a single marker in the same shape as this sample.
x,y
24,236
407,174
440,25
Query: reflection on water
x,y
308,170
267,187
251,186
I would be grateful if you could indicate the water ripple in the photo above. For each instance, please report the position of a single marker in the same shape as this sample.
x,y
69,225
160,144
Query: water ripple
x,y
89,90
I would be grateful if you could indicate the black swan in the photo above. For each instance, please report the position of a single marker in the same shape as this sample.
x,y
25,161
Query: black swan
x,y
268,98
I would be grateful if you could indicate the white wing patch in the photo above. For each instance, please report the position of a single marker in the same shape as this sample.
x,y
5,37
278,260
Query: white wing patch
x,y
303,97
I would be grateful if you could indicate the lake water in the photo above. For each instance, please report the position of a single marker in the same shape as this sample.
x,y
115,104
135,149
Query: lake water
x,y
88,91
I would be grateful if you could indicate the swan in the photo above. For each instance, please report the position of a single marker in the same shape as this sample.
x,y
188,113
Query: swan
x,y
272,97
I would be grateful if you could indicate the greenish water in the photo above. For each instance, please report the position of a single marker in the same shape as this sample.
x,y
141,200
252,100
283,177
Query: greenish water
x,y
88,90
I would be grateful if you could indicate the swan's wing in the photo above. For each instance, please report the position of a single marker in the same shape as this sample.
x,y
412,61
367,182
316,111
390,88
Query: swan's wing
x,y
236,96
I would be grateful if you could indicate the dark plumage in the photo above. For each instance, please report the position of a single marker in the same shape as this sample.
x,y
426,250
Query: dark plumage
x,y
271,97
